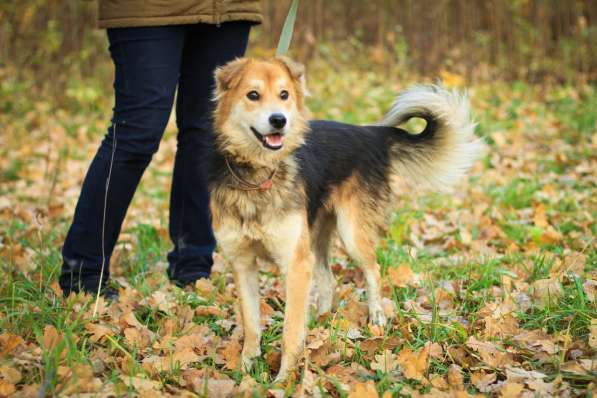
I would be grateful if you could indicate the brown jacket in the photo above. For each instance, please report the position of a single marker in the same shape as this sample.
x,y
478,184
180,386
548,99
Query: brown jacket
x,y
129,13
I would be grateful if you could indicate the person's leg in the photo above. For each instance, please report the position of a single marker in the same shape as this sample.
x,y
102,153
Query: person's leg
x,y
206,47
147,66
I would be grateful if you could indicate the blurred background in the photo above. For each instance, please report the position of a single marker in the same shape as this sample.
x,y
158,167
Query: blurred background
x,y
51,41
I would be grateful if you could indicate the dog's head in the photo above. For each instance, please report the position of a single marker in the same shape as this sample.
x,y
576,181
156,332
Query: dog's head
x,y
260,116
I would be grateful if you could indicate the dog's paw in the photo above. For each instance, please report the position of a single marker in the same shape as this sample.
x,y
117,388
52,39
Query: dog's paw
x,y
324,304
281,377
247,358
377,317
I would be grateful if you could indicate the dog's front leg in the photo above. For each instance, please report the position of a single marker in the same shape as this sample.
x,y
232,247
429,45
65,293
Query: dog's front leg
x,y
298,287
246,278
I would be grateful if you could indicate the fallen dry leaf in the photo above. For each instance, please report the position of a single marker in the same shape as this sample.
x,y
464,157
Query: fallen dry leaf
x,y
413,364
455,377
482,380
402,276
140,384
590,288
51,337
7,388
490,353
231,355
511,390
10,374
138,338
385,362
363,390
546,291
593,334
98,332
9,342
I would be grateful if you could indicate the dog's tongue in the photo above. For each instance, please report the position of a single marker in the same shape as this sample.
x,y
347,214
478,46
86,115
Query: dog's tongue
x,y
274,139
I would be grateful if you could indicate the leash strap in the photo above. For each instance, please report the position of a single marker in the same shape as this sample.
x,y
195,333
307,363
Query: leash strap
x,y
287,29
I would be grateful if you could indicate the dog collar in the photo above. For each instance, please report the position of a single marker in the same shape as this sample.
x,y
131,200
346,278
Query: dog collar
x,y
249,186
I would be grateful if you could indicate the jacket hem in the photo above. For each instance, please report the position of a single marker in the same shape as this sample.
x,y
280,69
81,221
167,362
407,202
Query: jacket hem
x,y
179,20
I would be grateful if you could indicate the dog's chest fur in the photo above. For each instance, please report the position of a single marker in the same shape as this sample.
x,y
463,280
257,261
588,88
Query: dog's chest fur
x,y
253,218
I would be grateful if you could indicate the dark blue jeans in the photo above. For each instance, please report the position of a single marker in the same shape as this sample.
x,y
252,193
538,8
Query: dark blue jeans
x,y
150,62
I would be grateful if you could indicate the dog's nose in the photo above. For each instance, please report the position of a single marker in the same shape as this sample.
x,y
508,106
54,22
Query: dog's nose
x,y
277,120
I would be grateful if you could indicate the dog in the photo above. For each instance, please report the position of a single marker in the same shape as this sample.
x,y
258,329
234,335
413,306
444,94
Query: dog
x,y
280,185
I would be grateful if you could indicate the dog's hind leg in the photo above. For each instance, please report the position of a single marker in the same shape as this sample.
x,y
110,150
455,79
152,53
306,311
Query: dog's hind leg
x,y
360,242
246,278
324,282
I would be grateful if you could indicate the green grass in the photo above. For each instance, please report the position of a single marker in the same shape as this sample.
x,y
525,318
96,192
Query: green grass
x,y
538,143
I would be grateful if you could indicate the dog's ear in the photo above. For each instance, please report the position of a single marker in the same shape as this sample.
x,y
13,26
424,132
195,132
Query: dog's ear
x,y
228,75
297,71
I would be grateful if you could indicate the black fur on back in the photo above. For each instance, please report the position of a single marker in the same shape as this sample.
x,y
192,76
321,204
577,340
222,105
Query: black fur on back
x,y
334,151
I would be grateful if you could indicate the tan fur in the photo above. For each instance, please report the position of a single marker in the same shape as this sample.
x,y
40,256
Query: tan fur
x,y
273,224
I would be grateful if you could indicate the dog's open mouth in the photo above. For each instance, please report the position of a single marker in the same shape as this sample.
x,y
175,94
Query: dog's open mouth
x,y
273,141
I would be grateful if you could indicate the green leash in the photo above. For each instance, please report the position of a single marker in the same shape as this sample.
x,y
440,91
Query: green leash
x,y
287,30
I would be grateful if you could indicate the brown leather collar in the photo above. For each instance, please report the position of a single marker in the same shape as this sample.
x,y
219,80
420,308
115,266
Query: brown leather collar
x,y
249,186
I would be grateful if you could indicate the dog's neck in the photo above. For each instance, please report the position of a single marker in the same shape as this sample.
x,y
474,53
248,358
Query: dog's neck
x,y
248,170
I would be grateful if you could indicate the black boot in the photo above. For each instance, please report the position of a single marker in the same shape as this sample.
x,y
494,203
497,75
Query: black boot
x,y
74,278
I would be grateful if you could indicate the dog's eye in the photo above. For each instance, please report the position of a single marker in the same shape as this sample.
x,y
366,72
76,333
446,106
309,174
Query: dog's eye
x,y
284,95
253,95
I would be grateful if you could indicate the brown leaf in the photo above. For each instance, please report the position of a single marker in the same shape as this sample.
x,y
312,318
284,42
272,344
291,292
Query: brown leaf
x,y
348,374
51,337
128,319
589,365
140,384
593,334
7,388
204,287
162,301
218,388
137,338
231,354
79,380
273,360
573,367
489,352
514,374
438,382
363,390
402,276
540,218
324,355
461,357
546,291
385,362
178,360
9,342
511,390
455,377
10,374
355,312
99,332
482,380
413,364
204,310
537,340
590,288
195,342
435,350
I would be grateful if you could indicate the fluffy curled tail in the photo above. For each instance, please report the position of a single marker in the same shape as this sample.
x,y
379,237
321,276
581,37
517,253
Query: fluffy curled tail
x,y
443,153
